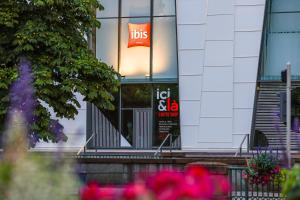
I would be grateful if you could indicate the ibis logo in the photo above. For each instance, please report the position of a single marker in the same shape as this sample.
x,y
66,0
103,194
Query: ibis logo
x,y
139,35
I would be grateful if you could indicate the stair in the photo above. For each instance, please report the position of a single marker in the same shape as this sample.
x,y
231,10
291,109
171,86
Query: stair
x,y
267,115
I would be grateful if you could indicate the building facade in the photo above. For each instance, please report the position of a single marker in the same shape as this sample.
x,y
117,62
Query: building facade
x,y
187,67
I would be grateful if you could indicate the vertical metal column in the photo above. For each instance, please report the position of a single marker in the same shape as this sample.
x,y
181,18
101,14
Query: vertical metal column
x,y
288,113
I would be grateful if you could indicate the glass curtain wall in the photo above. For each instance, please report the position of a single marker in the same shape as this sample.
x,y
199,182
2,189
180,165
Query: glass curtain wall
x,y
145,70
281,43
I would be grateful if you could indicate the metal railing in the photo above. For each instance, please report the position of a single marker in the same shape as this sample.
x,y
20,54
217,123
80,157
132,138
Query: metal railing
x,y
240,149
242,189
159,150
86,143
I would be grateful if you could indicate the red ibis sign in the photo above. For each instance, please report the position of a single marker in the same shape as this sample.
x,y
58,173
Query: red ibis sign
x,y
139,35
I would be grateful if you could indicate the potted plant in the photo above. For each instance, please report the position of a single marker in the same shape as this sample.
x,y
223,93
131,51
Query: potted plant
x,y
262,168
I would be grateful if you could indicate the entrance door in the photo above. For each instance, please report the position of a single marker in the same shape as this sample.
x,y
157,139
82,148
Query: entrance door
x,y
142,132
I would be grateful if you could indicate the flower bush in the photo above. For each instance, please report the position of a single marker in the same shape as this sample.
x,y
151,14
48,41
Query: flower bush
x,y
195,183
262,168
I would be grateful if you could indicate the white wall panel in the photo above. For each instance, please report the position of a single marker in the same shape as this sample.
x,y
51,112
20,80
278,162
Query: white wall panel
x,y
189,136
247,44
74,143
220,27
191,62
218,79
191,36
216,7
248,18
242,120
216,104
190,112
244,95
230,46
215,130
245,69
214,146
237,140
75,125
190,87
250,2
191,11
219,53
75,129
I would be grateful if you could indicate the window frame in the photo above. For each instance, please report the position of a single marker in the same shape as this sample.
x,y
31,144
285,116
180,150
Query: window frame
x,y
151,78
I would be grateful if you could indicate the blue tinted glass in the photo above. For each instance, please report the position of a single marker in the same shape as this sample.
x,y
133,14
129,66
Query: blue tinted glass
x,y
110,8
135,8
164,7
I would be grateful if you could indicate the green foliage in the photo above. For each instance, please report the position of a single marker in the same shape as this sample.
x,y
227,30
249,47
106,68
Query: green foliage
x,y
51,34
291,186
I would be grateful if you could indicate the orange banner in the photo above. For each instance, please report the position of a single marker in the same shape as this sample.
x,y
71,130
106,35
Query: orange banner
x,y
139,35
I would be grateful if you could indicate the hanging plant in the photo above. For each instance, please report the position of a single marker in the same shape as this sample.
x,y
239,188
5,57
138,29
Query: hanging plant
x,y
262,168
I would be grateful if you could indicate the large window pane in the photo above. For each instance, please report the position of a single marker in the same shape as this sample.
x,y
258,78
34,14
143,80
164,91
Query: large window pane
x,y
107,42
285,22
135,8
164,48
281,39
110,8
164,7
127,125
281,49
136,96
134,61
285,5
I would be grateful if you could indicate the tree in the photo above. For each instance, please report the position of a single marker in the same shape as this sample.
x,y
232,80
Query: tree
x,y
51,34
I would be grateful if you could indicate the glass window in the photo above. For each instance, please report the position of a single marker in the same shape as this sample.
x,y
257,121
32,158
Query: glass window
x,y
135,61
285,5
135,8
107,42
110,8
281,39
164,48
164,7
281,49
285,22
136,96
127,125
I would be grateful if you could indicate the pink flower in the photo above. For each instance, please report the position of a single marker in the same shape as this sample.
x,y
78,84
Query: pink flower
x,y
199,176
165,180
134,191
90,192
108,193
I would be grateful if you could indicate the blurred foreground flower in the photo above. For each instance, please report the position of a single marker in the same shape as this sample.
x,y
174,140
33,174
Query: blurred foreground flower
x,y
32,177
195,183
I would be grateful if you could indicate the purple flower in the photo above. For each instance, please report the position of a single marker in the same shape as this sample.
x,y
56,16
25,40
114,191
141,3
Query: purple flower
x,y
23,100
22,93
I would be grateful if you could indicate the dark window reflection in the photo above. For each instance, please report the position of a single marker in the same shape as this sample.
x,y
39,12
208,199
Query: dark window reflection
x,y
136,96
127,125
